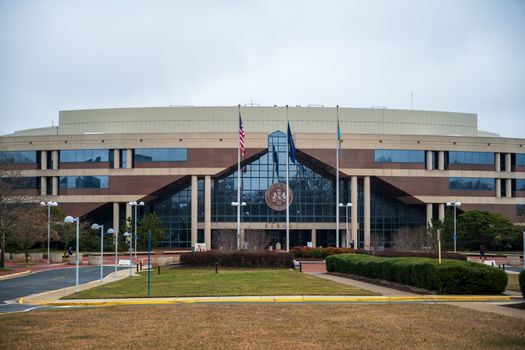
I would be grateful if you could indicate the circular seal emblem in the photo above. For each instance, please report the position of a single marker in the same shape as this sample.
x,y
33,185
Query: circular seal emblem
x,y
275,196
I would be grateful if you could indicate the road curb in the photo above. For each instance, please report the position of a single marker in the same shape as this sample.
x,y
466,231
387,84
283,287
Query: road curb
x,y
14,275
278,299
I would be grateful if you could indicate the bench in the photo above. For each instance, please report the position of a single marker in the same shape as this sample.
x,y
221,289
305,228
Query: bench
x,y
124,262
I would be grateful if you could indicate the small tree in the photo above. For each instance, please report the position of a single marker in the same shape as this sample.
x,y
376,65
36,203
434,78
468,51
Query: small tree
x,y
152,222
414,239
486,228
226,240
256,240
31,228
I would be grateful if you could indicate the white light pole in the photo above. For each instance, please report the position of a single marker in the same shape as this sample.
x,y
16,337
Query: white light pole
x,y
101,228
348,205
129,238
236,204
70,219
48,205
455,205
116,253
135,204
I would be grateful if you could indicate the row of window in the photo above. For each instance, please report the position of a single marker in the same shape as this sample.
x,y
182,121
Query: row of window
x,y
471,183
459,157
398,156
85,156
161,155
451,157
79,182
18,157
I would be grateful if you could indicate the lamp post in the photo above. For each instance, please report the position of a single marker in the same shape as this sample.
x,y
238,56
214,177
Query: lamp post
x,y
48,205
70,219
236,204
135,204
129,238
101,228
348,205
116,252
455,205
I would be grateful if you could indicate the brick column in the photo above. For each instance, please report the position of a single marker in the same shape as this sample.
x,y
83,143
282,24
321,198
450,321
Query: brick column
x,y
207,211
116,159
313,237
429,214
194,210
353,216
116,216
429,160
367,211
441,160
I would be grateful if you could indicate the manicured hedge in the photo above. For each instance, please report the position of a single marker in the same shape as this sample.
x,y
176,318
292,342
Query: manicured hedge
x,y
451,277
522,282
444,255
238,259
318,253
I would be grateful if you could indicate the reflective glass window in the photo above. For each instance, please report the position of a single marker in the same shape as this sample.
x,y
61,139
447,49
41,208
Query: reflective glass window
x,y
84,156
520,185
161,155
18,157
471,183
520,159
78,182
21,183
399,156
460,157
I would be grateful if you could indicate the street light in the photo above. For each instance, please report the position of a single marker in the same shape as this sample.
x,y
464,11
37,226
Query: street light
x,y
348,205
69,220
116,252
455,205
236,204
48,205
111,231
135,204
129,238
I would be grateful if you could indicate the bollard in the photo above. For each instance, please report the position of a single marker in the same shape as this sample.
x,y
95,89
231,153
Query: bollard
x,y
300,266
216,267
158,269
503,267
137,268
140,265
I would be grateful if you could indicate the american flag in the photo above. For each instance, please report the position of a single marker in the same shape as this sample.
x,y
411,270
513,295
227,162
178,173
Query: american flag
x,y
241,137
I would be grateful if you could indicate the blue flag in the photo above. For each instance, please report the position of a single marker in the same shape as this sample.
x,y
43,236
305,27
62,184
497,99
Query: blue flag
x,y
291,145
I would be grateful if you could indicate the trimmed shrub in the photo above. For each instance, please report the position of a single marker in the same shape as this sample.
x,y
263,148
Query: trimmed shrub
x,y
318,253
450,277
522,282
444,255
237,259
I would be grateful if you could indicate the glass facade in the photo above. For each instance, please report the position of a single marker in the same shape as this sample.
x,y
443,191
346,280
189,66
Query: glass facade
x,y
520,159
398,156
458,157
18,157
471,183
21,183
313,201
161,155
80,182
85,156
520,185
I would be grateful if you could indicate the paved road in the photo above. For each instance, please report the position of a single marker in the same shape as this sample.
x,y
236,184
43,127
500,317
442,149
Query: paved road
x,y
43,281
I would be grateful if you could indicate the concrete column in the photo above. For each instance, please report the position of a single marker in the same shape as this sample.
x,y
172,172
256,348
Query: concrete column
x,y
367,211
116,216
194,210
441,214
242,238
429,160
54,159
353,216
43,186
429,214
497,162
129,213
129,158
54,187
498,188
116,158
313,237
441,160
207,211
508,162
43,160
508,188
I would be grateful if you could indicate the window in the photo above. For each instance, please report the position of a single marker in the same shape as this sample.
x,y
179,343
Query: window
x,y
520,159
484,158
161,155
21,183
520,185
79,182
84,156
18,157
471,183
398,156
123,158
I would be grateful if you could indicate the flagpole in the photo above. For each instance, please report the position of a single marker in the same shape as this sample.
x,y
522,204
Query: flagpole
x,y
287,186
337,184
239,185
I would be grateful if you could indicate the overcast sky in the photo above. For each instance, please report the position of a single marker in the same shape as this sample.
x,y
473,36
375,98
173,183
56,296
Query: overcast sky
x,y
463,56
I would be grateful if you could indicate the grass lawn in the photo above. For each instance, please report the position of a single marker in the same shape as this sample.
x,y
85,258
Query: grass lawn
x,y
514,283
228,282
342,326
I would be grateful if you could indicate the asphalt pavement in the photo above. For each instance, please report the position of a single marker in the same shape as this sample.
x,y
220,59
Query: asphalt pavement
x,y
43,281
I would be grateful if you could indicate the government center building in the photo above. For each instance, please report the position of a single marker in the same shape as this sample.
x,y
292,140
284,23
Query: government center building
x,y
397,167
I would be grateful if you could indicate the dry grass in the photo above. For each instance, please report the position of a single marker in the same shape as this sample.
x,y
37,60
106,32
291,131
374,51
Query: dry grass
x,y
341,326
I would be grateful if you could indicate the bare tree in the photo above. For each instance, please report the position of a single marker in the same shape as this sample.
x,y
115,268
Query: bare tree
x,y
226,240
256,240
414,239
377,241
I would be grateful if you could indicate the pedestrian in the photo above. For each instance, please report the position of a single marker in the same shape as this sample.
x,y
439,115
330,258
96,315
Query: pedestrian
x,y
69,251
482,253
352,244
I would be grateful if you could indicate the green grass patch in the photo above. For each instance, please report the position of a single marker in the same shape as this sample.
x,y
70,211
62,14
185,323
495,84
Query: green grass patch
x,y
199,282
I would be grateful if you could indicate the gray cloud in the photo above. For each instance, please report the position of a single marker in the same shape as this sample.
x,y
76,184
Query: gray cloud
x,y
463,56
